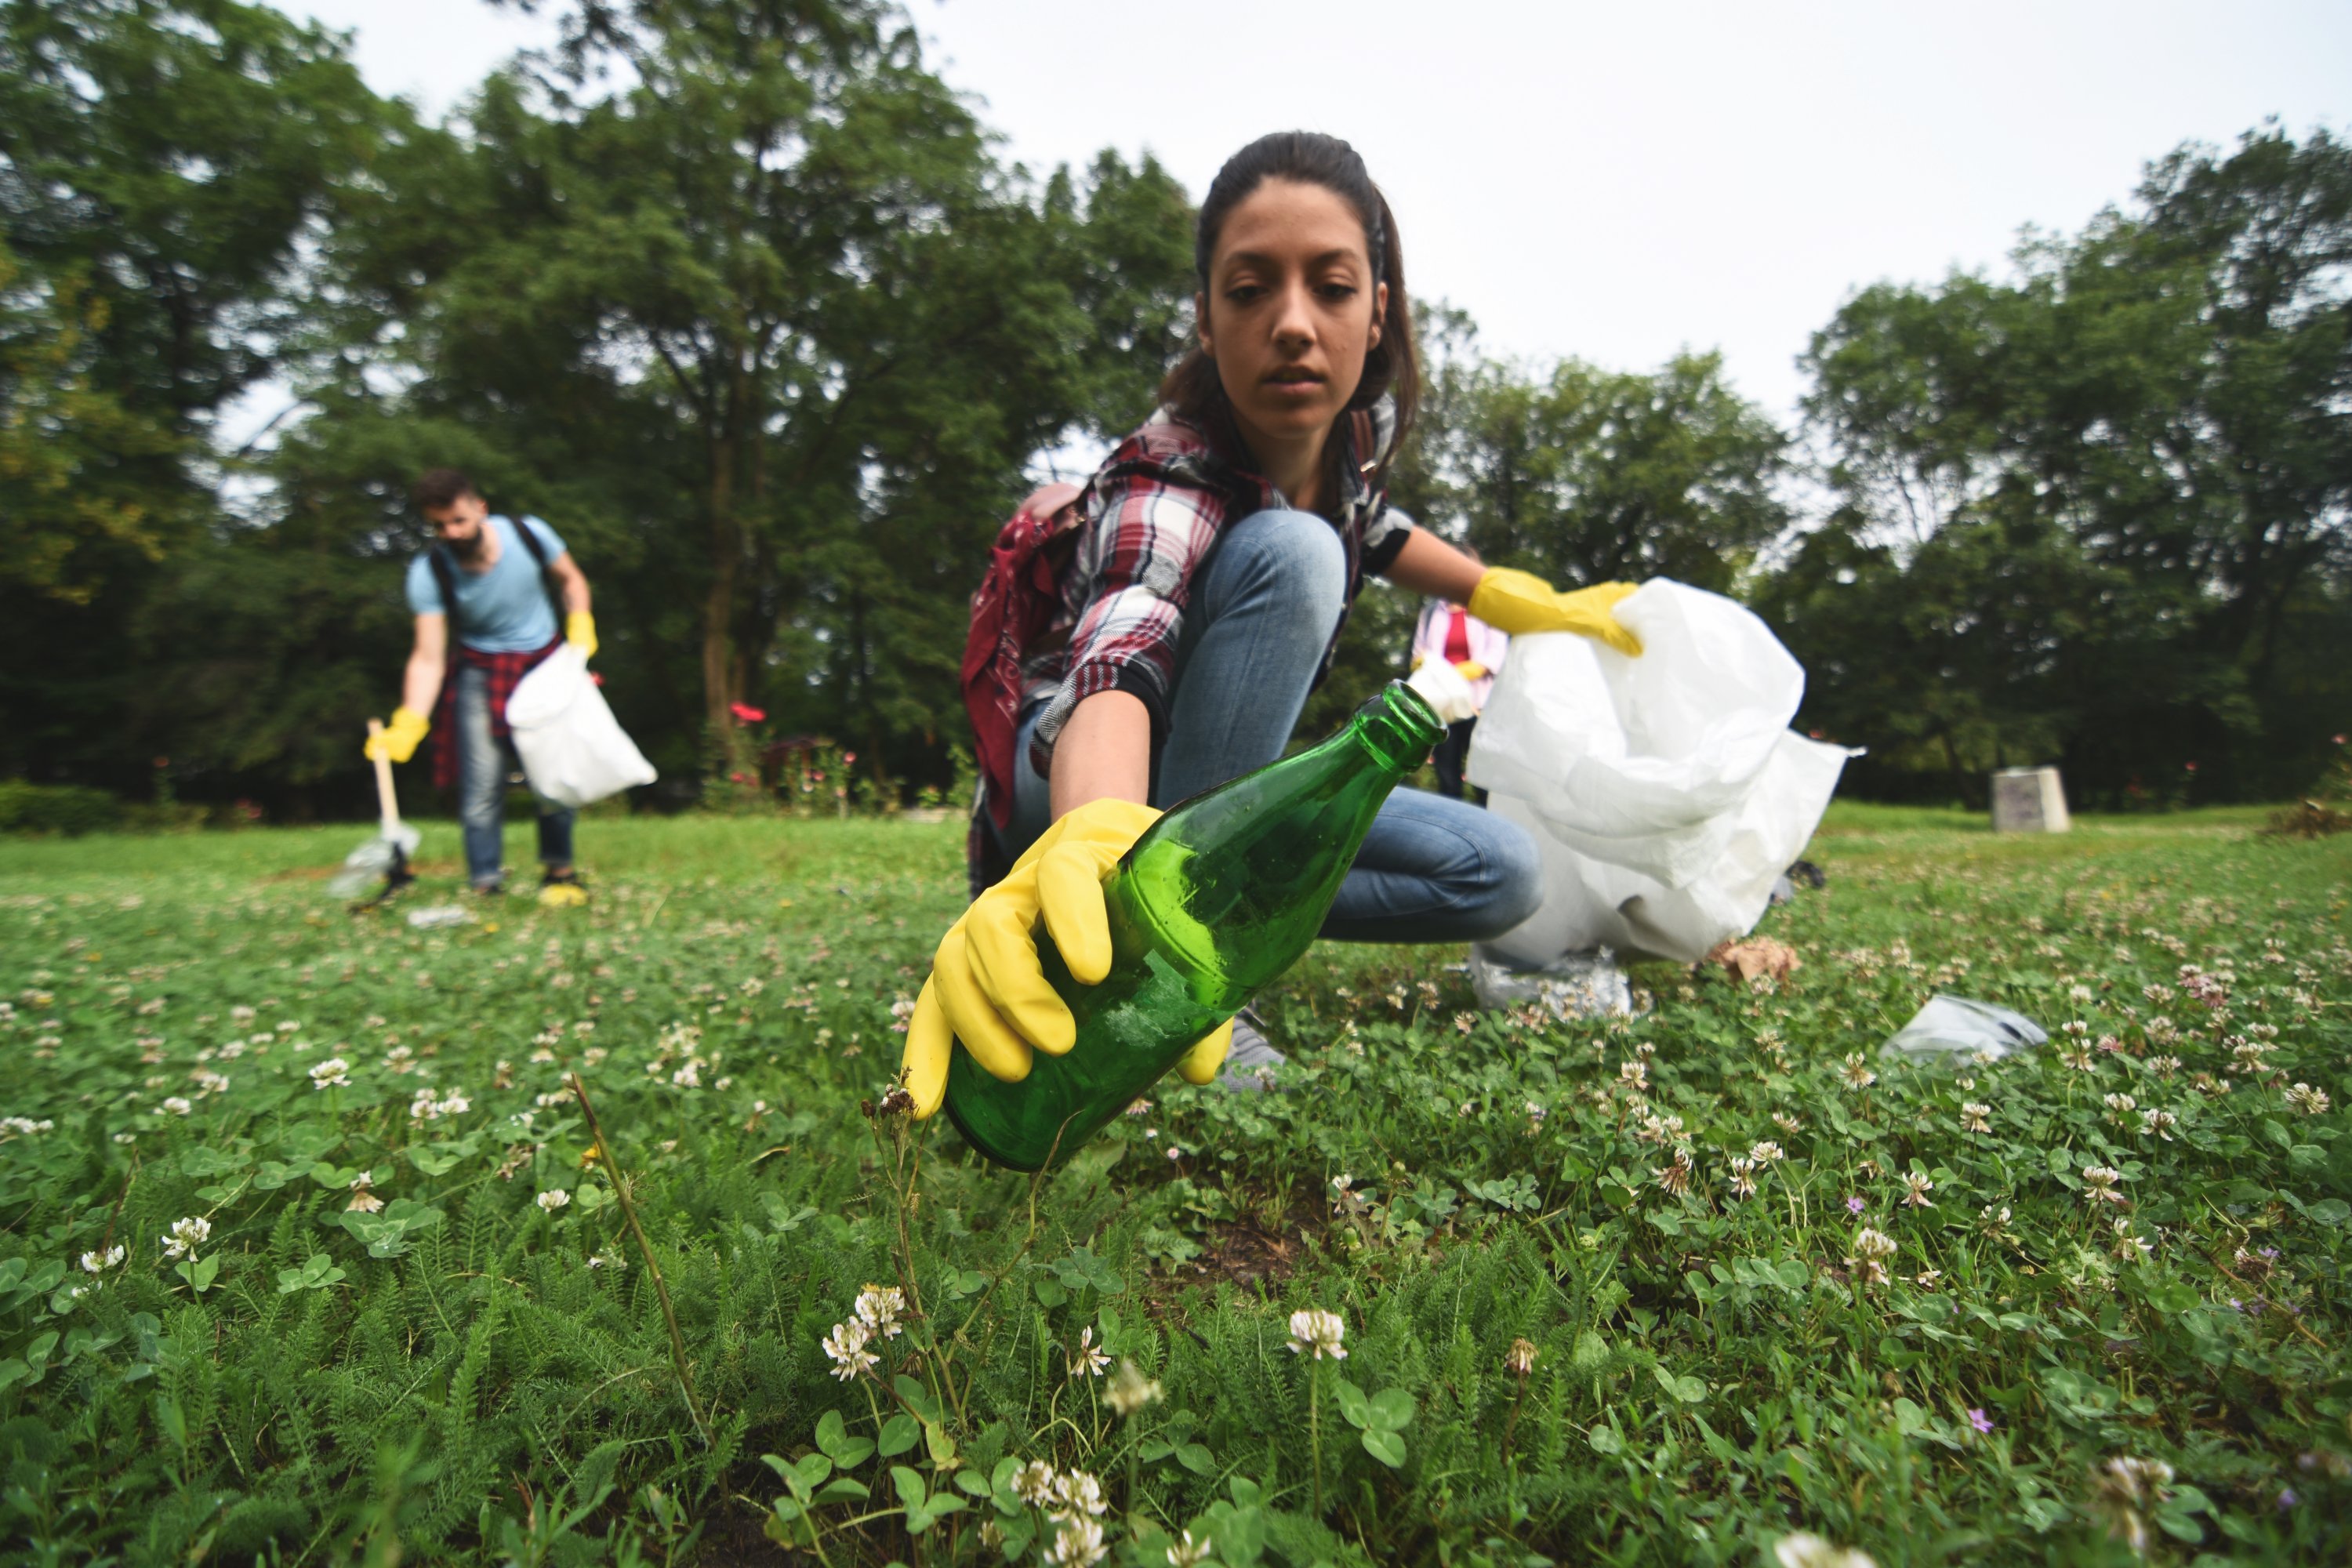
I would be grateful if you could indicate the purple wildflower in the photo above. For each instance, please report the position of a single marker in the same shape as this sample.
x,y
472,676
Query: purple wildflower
x,y
2286,1500
1981,1421
1853,1205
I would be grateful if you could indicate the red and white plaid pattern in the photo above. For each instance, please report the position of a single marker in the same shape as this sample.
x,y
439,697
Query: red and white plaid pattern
x,y
506,671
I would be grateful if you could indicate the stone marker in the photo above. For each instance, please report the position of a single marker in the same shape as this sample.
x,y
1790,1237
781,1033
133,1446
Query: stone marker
x,y
2028,800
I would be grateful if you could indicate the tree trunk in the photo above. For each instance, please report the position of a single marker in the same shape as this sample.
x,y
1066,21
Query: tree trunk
x,y
719,607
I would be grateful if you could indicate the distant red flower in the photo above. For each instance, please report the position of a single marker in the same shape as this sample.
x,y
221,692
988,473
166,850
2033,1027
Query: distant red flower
x,y
737,778
745,713
849,756
2340,739
2192,767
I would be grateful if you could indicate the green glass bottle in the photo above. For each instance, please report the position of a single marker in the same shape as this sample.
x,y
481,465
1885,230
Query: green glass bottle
x,y
1218,897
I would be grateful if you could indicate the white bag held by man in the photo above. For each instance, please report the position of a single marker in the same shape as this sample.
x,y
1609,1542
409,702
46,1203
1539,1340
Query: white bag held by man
x,y
573,750
1666,793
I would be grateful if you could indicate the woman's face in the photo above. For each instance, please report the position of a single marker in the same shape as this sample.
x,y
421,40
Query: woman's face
x,y
1291,310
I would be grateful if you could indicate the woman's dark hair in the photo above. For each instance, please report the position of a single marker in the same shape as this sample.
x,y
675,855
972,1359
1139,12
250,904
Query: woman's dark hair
x,y
1191,389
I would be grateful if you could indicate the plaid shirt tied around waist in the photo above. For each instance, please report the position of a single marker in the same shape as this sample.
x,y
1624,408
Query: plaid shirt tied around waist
x,y
506,672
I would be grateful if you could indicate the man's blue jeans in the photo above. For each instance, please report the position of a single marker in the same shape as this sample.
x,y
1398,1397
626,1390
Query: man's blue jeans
x,y
1263,606
482,763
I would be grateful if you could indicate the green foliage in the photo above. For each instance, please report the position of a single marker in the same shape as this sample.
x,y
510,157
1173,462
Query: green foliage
x,y
2102,506
470,1372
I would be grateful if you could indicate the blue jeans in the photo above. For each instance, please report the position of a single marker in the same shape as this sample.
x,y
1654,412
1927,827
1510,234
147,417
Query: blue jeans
x,y
1263,606
482,763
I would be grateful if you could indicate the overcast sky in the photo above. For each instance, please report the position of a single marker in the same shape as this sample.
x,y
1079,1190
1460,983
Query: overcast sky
x,y
1609,181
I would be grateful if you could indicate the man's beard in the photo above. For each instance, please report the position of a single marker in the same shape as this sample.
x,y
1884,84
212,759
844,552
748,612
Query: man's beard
x,y
470,550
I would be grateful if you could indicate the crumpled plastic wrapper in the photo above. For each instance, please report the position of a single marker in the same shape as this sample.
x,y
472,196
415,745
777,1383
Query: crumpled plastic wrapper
x,y
1572,987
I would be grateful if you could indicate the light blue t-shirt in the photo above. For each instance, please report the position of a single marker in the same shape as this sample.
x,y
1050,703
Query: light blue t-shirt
x,y
502,610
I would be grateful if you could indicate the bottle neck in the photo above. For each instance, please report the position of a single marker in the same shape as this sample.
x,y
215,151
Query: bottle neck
x,y
1398,727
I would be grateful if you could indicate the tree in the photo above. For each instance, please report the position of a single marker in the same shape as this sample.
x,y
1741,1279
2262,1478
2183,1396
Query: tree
x,y
767,326
2168,391
1589,476
167,171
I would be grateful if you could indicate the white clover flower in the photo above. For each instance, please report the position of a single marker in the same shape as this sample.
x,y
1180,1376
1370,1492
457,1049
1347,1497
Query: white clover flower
x,y
1765,1152
187,1236
1520,1359
99,1262
177,1106
1088,1357
2309,1100
2120,1107
1742,1180
1973,1115
333,1073
363,1198
878,1307
1804,1549
1077,1544
1318,1334
1674,1176
1918,1188
1856,1073
1185,1552
2161,1122
1129,1390
1787,1123
1871,1247
1033,1483
552,1199
2099,1185
846,1346
1076,1496
2131,1249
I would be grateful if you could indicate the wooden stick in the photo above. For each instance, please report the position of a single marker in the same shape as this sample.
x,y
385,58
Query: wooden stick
x,y
386,803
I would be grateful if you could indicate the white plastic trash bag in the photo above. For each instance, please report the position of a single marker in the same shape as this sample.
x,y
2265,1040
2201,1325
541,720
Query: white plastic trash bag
x,y
573,750
1666,793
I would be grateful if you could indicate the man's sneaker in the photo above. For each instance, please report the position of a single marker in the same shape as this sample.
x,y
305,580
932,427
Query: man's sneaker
x,y
490,889
562,890
1250,1064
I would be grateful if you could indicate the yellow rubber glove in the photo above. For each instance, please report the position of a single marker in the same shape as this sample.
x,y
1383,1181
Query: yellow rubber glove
x,y
1520,603
987,987
1471,669
580,629
398,741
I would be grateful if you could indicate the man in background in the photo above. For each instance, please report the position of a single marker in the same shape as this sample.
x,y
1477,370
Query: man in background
x,y
503,580
1451,633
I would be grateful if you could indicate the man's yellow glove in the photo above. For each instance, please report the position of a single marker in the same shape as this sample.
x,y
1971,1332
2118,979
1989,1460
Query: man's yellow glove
x,y
580,630
1520,603
397,741
987,987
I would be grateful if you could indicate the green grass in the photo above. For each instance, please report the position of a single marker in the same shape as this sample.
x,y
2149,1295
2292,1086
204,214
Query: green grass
x,y
465,1374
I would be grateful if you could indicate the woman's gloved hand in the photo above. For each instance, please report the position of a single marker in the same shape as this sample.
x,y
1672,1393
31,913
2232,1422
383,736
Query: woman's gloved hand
x,y
1520,603
397,742
580,630
1470,669
987,987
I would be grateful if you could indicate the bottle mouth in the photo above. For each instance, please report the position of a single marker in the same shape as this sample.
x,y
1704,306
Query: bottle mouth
x,y
1400,722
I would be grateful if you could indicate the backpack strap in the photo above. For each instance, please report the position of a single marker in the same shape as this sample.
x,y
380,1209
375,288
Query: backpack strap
x,y
445,577
546,578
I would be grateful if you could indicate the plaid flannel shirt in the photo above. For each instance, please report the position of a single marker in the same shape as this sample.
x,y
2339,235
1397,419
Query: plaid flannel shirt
x,y
1152,512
